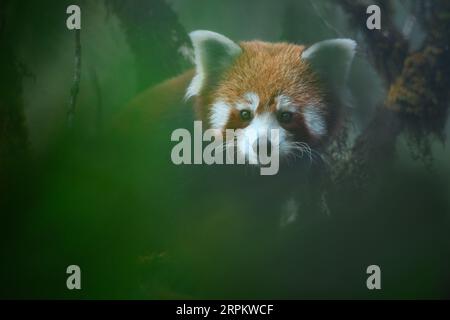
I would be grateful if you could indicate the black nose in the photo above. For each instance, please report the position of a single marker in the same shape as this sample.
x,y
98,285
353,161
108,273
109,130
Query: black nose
x,y
259,143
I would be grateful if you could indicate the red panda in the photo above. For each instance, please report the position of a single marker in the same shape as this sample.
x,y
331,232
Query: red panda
x,y
259,86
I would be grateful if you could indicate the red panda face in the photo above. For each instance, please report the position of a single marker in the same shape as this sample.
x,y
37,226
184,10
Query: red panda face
x,y
270,87
258,87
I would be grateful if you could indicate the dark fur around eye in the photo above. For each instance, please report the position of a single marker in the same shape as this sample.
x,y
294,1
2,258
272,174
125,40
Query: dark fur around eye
x,y
246,115
285,116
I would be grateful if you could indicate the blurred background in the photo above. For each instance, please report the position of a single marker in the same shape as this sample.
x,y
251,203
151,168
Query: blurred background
x,y
73,191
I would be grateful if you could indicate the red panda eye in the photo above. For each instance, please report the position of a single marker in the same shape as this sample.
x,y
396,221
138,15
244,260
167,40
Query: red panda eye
x,y
285,117
246,115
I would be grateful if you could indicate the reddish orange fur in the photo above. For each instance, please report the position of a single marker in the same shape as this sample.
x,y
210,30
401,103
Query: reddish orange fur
x,y
267,69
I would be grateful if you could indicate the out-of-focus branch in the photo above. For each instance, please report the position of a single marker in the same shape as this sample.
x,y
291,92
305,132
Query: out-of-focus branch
x,y
419,94
386,47
14,147
99,109
418,85
76,80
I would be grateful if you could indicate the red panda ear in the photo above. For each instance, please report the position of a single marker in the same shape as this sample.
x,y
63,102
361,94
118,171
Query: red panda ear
x,y
331,59
214,53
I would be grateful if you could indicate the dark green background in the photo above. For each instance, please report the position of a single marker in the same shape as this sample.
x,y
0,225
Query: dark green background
x,y
140,227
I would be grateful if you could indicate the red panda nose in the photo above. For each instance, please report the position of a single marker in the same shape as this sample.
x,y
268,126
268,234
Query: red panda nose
x,y
260,142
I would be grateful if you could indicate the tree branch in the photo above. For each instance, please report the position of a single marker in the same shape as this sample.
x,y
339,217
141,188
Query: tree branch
x,y
76,80
387,47
418,90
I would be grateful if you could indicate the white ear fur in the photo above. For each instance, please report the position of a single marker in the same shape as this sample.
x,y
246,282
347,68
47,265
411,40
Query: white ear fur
x,y
213,54
331,59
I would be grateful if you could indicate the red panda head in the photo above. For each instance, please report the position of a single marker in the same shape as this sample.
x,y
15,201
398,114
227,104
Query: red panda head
x,y
257,86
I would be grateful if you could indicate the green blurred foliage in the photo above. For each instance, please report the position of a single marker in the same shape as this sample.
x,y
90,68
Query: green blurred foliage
x,y
140,227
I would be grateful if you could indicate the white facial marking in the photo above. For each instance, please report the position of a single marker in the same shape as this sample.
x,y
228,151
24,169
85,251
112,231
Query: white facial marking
x,y
314,120
285,103
220,111
250,101
219,115
259,127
